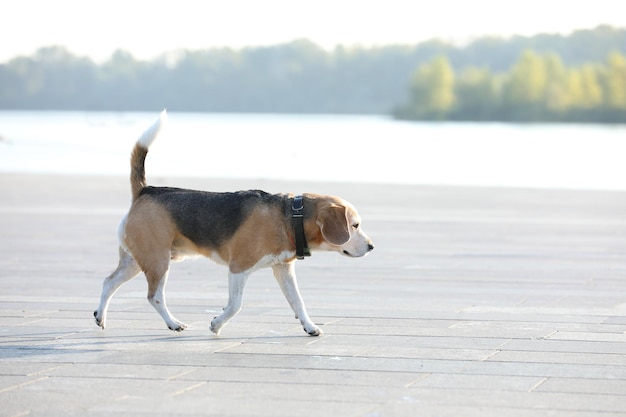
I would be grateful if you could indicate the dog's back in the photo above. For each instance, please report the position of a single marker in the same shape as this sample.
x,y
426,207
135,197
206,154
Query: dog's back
x,y
209,219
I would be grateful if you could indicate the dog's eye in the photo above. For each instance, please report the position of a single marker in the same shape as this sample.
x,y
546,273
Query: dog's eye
x,y
355,226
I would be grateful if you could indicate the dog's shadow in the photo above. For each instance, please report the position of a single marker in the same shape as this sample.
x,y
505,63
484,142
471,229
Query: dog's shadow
x,y
102,341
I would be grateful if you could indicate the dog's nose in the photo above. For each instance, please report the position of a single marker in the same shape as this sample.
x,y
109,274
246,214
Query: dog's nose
x,y
370,247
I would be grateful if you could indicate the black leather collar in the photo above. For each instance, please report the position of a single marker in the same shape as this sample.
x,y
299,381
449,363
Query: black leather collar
x,y
297,214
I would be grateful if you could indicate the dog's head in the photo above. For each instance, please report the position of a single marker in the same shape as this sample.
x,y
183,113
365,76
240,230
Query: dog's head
x,y
340,229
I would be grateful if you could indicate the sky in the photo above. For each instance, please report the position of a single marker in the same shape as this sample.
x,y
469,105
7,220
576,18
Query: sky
x,y
148,28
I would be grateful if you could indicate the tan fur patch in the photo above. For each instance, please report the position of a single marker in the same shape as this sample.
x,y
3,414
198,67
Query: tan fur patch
x,y
148,235
263,233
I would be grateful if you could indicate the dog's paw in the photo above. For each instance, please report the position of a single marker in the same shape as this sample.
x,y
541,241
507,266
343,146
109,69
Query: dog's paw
x,y
177,326
99,321
216,326
313,330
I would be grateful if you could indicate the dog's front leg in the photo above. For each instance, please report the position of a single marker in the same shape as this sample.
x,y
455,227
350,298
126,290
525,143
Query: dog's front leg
x,y
236,284
286,276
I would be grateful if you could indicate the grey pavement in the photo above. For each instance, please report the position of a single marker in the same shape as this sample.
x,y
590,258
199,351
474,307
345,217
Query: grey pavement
x,y
475,302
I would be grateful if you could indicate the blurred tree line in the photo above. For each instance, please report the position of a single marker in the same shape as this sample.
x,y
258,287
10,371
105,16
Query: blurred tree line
x,y
537,88
301,77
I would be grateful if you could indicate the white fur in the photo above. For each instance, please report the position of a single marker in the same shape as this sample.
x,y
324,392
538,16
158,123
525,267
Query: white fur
x,y
125,271
285,274
153,131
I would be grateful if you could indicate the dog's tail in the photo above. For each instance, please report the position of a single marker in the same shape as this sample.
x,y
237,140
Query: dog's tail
x,y
138,157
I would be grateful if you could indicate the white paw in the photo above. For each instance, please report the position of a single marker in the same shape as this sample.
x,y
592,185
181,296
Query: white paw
x,y
216,326
100,321
177,326
312,330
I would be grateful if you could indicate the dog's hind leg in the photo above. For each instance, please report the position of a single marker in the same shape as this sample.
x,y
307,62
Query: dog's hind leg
x,y
157,278
236,284
127,269
286,276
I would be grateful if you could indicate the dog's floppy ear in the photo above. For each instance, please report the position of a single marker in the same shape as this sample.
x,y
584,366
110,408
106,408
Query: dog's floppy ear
x,y
333,223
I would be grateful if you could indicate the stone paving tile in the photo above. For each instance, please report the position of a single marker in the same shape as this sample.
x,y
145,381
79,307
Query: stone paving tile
x,y
404,341
478,382
12,382
316,349
574,346
617,335
222,406
616,320
29,368
532,329
73,396
115,371
577,371
560,357
409,406
298,375
485,330
544,317
517,400
428,353
581,386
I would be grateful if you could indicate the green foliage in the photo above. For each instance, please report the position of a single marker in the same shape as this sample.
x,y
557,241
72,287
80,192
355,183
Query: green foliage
x,y
615,82
487,79
537,88
432,89
476,94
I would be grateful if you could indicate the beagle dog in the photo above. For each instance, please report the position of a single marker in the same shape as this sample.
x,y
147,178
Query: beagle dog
x,y
244,230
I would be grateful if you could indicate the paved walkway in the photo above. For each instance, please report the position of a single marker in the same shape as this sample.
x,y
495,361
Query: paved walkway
x,y
476,302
